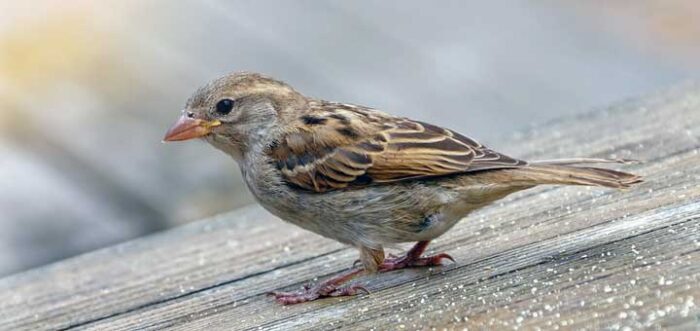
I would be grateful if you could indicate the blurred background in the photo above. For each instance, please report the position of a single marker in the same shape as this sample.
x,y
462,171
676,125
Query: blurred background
x,y
88,88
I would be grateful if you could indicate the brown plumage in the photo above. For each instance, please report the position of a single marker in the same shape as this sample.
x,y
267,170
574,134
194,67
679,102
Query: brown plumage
x,y
361,176
334,146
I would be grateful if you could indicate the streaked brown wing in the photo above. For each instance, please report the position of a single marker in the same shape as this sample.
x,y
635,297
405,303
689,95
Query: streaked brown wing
x,y
336,146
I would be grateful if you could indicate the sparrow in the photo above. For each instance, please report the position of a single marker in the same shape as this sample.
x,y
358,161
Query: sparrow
x,y
360,176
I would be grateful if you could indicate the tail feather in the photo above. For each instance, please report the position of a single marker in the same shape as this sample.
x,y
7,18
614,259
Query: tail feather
x,y
564,172
575,161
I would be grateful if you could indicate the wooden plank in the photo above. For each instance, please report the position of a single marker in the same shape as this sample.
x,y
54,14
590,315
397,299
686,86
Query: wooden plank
x,y
552,256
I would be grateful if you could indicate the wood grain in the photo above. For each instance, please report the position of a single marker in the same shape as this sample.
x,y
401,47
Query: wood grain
x,y
551,257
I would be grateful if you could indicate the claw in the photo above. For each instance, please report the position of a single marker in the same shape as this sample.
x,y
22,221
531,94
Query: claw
x,y
445,256
278,294
349,291
360,287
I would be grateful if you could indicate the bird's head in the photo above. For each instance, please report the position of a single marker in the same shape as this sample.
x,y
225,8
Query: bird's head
x,y
236,111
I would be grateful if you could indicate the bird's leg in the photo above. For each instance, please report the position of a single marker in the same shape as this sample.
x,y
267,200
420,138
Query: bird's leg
x,y
413,259
328,288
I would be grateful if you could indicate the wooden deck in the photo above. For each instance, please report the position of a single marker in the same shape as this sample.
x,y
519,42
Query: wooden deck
x,y
551,257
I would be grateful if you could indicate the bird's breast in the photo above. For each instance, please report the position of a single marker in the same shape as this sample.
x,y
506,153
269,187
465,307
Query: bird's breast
x,y
370,216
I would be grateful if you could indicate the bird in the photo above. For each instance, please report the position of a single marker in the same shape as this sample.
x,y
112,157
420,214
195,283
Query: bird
x,y
361,176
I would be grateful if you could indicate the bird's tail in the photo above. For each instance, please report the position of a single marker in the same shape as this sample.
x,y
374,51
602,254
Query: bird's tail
x,y
568,172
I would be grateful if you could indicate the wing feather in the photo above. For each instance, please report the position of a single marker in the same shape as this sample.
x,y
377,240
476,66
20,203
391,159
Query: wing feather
x,y
336,146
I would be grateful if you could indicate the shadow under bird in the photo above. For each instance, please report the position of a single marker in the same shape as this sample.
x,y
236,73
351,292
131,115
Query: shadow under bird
x,y
361,176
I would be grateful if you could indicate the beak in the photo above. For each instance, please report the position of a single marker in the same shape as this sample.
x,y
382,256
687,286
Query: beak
x,y
189,128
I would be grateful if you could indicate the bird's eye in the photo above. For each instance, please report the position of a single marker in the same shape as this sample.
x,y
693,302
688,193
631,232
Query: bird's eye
x,y
224,106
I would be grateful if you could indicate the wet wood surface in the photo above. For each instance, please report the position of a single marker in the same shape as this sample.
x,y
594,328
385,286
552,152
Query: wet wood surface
x,y
551,257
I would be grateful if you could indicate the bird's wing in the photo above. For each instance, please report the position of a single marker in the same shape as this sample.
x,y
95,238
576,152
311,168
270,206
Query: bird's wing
x,y
337,146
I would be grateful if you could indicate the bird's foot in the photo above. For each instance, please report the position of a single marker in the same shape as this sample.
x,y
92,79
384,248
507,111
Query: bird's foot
x,y
319,291
410,260
329,288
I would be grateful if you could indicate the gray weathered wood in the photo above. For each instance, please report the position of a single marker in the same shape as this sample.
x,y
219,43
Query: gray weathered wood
x,y
566,257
